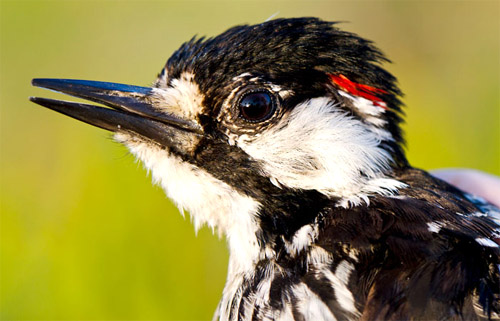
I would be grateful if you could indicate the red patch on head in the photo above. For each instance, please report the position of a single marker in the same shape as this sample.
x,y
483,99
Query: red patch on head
x,y
353,88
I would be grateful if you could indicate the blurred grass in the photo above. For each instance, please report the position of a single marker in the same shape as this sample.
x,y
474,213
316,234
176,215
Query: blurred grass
x,y
84,235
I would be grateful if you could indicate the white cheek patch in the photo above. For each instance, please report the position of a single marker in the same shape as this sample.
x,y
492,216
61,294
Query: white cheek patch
x,y
183,97
317,146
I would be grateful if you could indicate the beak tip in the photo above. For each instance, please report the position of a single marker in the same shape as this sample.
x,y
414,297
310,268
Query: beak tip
x,y
41,82
40,101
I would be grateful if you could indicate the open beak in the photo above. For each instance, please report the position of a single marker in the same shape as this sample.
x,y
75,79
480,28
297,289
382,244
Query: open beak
x,y
132,109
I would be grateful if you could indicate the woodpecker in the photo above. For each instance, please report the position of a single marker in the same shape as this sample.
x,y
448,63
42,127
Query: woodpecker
x,y
285,136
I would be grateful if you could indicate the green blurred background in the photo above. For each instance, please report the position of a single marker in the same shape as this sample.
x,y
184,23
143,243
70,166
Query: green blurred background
x,y
84,235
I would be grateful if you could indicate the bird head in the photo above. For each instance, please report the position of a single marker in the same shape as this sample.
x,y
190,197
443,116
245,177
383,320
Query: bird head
x,y
254,130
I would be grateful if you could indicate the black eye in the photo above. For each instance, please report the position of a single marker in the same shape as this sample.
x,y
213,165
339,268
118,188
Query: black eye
x,y
256,106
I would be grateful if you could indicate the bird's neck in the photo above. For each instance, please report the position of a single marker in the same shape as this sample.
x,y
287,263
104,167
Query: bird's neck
x,y
284,244
284,225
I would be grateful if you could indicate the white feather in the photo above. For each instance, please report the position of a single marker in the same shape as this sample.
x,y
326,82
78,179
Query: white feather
x,y
318,257
182,97
364,105
302,239
486,242
310,305
339,281
434,227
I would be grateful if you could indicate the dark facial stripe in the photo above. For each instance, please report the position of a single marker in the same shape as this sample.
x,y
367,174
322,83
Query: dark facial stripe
x,y
283,210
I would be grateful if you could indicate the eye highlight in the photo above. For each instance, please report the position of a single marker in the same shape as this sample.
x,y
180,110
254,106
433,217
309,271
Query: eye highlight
x,y
256,106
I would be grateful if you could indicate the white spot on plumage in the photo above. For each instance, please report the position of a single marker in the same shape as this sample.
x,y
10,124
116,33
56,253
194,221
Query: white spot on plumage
x,y
366,106
371,114
241,76
285,93
479,214
339,281
302,239
310,305
319,257
399,197
434,227
486,242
